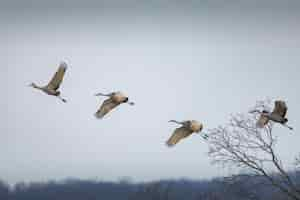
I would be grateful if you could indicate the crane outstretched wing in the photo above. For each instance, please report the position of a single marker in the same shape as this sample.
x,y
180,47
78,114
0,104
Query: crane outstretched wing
x,y
178,134
280,108
262,121
58,77
106,107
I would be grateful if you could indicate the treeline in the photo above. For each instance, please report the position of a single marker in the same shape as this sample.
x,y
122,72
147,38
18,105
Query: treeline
x,y
242,187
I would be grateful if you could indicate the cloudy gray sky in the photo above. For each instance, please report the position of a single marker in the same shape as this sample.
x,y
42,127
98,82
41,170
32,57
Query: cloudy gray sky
x,y
194,60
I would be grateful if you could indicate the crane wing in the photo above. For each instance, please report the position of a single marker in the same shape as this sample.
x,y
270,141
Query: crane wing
x,y
262,121
106,107
58,77
178,134
280,108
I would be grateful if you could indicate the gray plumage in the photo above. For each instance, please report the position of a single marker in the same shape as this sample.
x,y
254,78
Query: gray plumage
x,y
278,115
188,127
114,100
52,87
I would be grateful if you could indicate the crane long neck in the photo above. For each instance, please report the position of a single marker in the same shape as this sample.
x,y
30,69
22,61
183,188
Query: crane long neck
x,y
106,95
177,122
36,86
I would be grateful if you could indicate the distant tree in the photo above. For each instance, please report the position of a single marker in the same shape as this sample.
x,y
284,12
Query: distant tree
x,y
126,180
244,186
4,191
153,191
241,144
237,187
21,187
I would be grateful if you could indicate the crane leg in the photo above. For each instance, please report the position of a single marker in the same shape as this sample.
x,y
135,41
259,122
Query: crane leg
x,y
131,103
205,137
289,127
63,100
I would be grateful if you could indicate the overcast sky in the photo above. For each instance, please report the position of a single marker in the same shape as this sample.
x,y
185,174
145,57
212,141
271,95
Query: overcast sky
x,y
194,60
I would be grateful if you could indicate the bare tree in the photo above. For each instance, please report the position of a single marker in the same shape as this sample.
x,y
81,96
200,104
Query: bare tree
x,y
241,144
153,191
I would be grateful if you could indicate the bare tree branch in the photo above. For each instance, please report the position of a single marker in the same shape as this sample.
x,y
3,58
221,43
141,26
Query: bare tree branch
x,y
242,144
